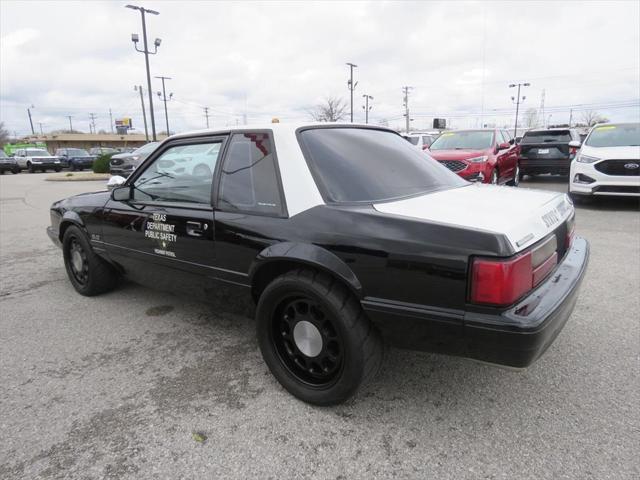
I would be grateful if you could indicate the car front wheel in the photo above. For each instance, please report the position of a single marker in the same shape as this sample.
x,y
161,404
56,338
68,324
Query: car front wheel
x,y
494,177
30,168
89,274
315,338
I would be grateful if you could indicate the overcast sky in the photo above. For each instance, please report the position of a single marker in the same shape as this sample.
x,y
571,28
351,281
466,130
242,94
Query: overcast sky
x,y
278,59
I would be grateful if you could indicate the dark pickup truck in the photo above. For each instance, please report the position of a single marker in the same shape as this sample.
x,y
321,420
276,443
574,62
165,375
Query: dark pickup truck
x,y
548,151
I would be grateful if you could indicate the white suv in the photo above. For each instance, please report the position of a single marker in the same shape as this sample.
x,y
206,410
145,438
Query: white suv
x,y
608,162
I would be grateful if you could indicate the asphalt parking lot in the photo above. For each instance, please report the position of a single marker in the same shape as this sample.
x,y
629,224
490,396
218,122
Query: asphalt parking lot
x,y
116,386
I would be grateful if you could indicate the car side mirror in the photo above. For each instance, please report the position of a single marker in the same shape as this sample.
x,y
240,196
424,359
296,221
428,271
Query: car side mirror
x,y
503,146
121,194
574,144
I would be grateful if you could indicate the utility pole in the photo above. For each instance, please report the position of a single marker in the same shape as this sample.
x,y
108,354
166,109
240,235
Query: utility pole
x,y
406,91
144,114
41,132
70,124
111,120
351,85
366,107
164,98
206,114
517,101
33,132
570,116
156,43
92,116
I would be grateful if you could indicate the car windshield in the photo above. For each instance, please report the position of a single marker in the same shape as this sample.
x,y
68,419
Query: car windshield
x,y
463,140
2,154
615,136
37,153
370,165
148,148
547,136
77,152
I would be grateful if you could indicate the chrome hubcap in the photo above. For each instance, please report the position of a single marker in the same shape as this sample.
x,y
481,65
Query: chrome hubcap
x,y
308,338
76,259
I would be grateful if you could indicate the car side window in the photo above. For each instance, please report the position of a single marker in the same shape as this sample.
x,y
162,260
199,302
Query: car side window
x,y
182,173
249,180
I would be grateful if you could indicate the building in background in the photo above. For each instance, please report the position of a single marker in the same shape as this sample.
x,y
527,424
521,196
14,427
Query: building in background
x,y
54,141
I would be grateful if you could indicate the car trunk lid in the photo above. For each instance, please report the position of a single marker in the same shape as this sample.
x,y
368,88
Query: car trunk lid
x,y
524,216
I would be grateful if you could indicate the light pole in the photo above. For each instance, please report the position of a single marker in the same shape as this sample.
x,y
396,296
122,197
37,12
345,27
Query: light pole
x,y
366,107
351,85
41,132
70,124
33,132
156,44
138,88
406,91
163,97
206,114
517,102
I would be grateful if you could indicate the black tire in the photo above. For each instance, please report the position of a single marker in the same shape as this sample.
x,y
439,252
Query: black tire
x,y
15,170
1,172
351,347
72,167
57,169
94,275
30,168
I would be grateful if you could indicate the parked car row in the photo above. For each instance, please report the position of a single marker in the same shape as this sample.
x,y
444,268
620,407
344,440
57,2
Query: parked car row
x,y
607,163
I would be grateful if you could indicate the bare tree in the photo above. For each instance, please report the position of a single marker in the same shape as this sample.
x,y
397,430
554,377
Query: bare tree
x,y
4,135
531,118
332,109
591,117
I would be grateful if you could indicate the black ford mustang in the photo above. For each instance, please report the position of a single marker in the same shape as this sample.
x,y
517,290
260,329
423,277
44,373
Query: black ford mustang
x,y
344,236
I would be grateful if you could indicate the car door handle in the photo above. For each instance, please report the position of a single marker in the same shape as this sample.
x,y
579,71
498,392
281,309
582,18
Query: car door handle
x,y
196,229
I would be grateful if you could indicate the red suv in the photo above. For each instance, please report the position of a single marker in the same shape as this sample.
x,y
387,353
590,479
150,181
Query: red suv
x,y
487,155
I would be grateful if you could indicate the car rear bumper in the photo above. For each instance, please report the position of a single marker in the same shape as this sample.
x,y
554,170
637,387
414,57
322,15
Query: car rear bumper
x,y
515,337
530,165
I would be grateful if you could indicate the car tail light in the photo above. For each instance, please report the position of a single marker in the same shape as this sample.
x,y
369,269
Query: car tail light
x,y
571,228
503,281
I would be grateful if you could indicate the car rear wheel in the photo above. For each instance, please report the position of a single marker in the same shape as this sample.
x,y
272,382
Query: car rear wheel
x,y
516,177
15,170
57,169
89,274
315,338
72,167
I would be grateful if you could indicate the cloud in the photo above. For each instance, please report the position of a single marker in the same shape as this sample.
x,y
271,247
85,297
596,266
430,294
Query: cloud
x,y
266,59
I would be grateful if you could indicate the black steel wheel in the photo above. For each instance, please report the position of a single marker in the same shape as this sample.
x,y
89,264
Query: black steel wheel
x,y
89,274
307,341
315,338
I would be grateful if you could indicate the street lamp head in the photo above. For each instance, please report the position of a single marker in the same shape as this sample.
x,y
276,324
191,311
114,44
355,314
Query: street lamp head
x,y
512,85
132,7
135,38
157,42
159,94
527,84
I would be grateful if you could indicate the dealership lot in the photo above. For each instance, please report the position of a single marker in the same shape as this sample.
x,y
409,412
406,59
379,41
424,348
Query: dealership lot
x,y
141,384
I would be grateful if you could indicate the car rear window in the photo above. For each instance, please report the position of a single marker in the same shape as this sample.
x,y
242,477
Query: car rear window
x,y
548,136
370,165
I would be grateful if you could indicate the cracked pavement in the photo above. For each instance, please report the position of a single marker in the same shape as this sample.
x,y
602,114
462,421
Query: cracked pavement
x,y
116,386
